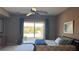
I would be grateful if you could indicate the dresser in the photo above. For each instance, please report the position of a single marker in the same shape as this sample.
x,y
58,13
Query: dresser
x,y
3,42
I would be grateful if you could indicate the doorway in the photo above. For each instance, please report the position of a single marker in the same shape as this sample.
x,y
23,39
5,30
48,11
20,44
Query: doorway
x,y
33,31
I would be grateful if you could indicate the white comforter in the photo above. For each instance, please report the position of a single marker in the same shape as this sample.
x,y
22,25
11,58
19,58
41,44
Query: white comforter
x,y
50,42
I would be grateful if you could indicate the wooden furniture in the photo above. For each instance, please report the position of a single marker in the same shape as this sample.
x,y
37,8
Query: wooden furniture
x,y
2,42
55,48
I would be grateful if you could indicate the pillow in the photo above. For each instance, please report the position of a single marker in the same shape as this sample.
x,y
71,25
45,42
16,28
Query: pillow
x,y
40,42
58,40
65,42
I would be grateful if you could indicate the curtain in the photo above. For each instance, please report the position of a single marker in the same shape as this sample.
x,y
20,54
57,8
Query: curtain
x,y
46,28
21,22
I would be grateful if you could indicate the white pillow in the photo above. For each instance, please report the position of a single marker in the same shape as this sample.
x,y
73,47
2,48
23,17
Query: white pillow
x,y
58,40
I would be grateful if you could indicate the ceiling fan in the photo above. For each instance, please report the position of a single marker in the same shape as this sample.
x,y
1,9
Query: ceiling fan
x,y
34,11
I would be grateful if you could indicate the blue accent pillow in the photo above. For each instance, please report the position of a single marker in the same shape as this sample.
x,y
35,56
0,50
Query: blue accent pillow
x,y
40,42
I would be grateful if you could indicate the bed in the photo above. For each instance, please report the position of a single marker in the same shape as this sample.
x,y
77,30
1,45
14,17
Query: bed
x,y
40,42
55,48
50,43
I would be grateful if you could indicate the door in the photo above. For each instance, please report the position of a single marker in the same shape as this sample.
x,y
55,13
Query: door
x,y
33,31
39,30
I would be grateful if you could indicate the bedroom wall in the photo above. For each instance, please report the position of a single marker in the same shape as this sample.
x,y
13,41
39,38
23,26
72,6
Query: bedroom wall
x,y
67,15
52,28
2,27
12,28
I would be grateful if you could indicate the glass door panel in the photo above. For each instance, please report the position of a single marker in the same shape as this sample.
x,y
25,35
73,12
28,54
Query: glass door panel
x,y
28,31
39,30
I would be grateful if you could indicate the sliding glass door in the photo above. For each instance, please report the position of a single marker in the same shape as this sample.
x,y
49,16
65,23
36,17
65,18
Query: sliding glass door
x,y
39,30
33,30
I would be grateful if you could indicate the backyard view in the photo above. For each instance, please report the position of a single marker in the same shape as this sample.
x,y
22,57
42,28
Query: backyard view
x,y
36,32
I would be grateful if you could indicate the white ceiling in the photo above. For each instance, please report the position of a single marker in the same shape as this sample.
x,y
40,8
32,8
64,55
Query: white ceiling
x,y
25,10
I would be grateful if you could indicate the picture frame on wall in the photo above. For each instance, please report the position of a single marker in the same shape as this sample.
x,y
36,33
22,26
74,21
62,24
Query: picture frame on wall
x,y
68,27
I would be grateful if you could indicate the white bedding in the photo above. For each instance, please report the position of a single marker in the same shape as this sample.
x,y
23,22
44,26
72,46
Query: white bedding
x,y
50,42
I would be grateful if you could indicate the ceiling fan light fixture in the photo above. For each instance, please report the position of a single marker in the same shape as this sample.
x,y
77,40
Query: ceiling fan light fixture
x,y
34,9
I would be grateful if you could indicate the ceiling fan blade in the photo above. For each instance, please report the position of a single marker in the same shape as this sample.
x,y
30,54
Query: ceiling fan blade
x,y
29,14
34,11
44,12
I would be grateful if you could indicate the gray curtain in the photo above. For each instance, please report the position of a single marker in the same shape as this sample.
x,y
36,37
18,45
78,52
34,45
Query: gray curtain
x,y
21,21
47,28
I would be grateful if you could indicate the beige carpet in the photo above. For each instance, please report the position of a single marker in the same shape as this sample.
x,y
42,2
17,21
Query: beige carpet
x,y
23,47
